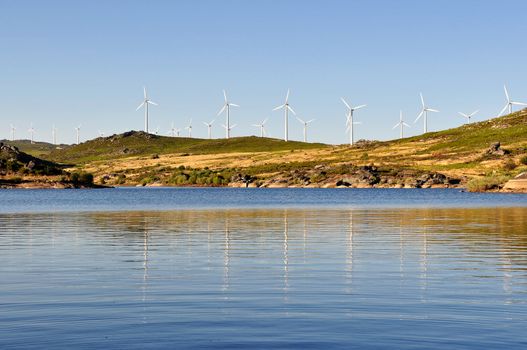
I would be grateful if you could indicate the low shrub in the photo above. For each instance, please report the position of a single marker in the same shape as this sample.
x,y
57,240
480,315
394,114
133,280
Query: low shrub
x,y
486,183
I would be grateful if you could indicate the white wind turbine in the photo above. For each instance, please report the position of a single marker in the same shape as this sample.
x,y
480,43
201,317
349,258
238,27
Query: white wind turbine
x,y
189,128
305,126
424,111
468,116
229,128
101,133
172,131
349,118
31,131
262,127
401,124
286,107
77,131
227,107
145,104
510,103
156,131
209,128
54,134
13,129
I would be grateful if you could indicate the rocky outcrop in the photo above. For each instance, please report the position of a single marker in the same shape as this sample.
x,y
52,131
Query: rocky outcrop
x,y
518,184
496,150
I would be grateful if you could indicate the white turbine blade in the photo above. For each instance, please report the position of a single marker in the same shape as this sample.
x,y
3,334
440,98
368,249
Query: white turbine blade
x,y
265,121
144,91
300,120
463,115
233,105
141,105
346,103
506,93
207,124
310,121
474,113
233,126
152,103
279,107
348,128
419,116
357,122
256,125
519,103
287,96
422,99
223,125
359,107
432,110
291,109
406,125
225,96
212,121
503,110
222,109
396,125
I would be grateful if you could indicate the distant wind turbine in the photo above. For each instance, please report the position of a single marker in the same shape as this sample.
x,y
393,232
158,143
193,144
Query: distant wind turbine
x,y
424,112
262,127
31,131
227,108
286,107
101,133
13,129
468,116
209,128
510,103
401,124
156,131
189,128
229,128
145,104
305,126
77,130
172,131
349,118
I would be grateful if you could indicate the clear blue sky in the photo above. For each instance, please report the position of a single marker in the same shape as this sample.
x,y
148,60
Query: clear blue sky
x,y
85,62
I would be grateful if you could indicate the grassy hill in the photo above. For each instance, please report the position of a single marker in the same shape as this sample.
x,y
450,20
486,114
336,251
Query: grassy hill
x,y
137,143
37,149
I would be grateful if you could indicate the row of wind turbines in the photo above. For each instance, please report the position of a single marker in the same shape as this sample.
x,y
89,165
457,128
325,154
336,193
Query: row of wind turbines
x,y
286,107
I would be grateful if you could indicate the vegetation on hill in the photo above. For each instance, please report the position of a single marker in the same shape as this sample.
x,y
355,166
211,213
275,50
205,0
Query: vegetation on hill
x,y
36,149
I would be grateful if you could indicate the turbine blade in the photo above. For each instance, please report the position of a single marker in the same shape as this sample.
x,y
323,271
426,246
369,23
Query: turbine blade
x,y
233,125
419,116
300,120
279,107
432,110
359,107
287,96
503,110
506,93
396,125
291,109
222,109
406,125
463,115
152,103
233,105
212,121
519,103
474,113
144,91
225,96
141,105
346,103
310,121
422,99
265,121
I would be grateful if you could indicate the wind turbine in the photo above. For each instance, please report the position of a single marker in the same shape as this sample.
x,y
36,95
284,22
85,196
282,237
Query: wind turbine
x,y
54,134
468,116
12,132
262,127
401,124
305,126
209,127
286,107
145,103
101,133
229,128
189,128
424,111
31,131
349,118
227,107
510,103
157,131
78,129
172,131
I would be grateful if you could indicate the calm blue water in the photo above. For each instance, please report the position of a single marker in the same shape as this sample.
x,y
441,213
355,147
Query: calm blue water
x,y
260,269
118,199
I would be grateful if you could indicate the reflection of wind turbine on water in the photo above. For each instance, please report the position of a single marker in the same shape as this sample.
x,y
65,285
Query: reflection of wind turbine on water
x,y
349,255
144,288
286,255
226,257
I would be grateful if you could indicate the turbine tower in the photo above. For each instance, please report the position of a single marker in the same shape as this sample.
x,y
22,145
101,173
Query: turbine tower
x,y
305,126
77,130
401,124
189,128
468,116
209,128
31,131
262,127
145,103
349,118
286,107
227,107
12,132
510,103
54,134
424,111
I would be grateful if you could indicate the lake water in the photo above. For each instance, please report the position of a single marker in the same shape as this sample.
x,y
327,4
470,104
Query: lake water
x,y
262,268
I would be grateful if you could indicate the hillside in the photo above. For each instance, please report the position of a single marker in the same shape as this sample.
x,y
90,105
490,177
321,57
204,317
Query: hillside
x,y
138,143
442,159
36,149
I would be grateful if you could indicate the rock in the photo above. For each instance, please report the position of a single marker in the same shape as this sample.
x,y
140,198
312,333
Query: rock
x,y
495,149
